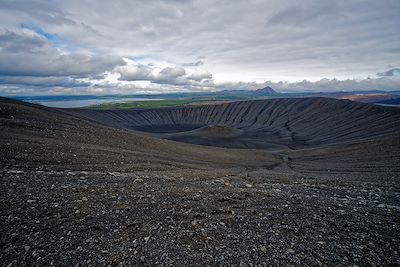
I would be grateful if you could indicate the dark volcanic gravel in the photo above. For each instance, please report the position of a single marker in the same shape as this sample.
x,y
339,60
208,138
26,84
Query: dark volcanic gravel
x,y
211,218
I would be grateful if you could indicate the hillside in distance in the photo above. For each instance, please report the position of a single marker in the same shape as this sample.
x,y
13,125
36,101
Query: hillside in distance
x,y
266,91
201,98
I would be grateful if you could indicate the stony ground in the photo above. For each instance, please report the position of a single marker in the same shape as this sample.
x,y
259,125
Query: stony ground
x,y
197,218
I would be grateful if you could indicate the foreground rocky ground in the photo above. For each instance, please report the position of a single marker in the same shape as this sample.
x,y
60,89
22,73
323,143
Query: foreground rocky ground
x,y
74,193
215,218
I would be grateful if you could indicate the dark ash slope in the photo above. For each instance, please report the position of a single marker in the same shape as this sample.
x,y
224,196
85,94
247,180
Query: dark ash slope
x,y
272,124
38,135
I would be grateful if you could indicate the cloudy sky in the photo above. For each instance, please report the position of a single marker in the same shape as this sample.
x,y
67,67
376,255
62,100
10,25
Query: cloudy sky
x,y
152,46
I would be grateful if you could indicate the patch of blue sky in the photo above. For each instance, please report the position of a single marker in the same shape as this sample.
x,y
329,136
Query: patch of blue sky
x,y
152,60
54,38
141,59
49,36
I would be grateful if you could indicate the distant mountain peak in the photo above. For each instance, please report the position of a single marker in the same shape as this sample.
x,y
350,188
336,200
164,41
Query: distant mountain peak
x,y
266,90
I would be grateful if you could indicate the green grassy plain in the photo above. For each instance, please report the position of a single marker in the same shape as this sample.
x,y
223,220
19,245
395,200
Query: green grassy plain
x,y
145,104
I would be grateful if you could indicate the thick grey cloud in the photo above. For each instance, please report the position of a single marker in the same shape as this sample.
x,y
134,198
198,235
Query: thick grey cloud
x,y
199,76
300,15
390,73
191,64
26,53
323,85
13,43
327,85
243,40
169,74
42,81
165,76
136,73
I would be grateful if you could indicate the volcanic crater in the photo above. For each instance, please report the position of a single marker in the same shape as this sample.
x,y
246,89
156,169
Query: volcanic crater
x,y
275,124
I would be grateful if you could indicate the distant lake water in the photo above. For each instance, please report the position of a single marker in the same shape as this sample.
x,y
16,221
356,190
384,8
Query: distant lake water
x,y
79,101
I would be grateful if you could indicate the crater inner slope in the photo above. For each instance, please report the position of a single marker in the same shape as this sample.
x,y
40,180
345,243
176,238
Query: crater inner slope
x,y
273,124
